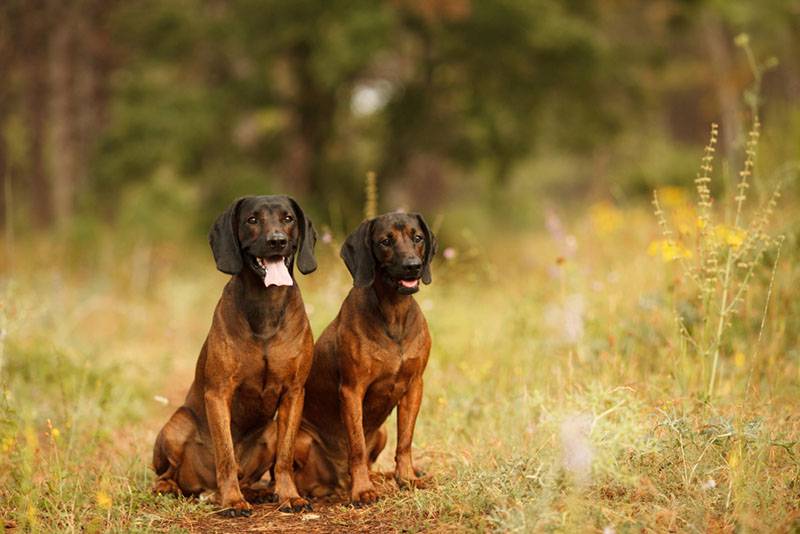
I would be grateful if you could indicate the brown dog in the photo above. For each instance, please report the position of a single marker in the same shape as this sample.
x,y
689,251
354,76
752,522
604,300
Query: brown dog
x,y
367,361
253,364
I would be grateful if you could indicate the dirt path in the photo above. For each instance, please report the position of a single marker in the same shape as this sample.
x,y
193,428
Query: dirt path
x,y
326,518
266,518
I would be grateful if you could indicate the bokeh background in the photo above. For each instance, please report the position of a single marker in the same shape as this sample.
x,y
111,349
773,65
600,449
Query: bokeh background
x,y
596,366
152,116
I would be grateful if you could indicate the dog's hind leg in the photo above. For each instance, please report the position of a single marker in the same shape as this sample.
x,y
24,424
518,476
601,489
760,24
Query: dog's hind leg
x,y
313,475
378,444
256,457
169,450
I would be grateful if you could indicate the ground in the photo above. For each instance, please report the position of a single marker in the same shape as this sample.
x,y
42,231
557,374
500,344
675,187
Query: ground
x,y
564,392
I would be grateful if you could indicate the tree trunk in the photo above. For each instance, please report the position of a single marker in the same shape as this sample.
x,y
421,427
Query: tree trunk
x,y
6,64
417,100
313,111
791,43
99,64
4,178
66,154
80,65
718,43
34,58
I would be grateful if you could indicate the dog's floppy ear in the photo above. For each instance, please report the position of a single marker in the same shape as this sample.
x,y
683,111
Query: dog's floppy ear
x,y
306,262
225,241
430,249
357,255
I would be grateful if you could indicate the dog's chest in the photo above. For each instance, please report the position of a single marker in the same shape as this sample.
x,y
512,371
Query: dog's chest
x,y
258,384
393,367
254,373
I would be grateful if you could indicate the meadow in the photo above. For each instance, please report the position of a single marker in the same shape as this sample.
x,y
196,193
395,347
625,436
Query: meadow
x,y
613,309
581,379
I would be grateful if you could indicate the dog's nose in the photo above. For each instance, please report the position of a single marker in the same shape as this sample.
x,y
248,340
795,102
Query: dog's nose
x,y
412,265
277,240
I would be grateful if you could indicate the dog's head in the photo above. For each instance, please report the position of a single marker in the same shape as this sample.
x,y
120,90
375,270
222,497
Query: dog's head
x,y
397,247
263,234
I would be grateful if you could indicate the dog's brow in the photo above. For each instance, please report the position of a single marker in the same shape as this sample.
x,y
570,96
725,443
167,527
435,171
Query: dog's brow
x,y
272,208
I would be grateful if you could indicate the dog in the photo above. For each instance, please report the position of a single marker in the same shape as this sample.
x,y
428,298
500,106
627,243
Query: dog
x,y
368,361
253,364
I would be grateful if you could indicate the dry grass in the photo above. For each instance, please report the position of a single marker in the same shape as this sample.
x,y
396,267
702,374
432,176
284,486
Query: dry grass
x,y
562,394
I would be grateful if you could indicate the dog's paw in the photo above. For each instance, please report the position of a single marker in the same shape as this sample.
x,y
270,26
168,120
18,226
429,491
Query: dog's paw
x,y
166,487
295,504
416,481
259,495
237,509
364,498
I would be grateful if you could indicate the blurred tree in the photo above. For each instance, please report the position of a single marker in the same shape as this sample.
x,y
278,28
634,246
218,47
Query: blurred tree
x,y
34,17
315,53
79,68
305,96
485,72
7,60
59,50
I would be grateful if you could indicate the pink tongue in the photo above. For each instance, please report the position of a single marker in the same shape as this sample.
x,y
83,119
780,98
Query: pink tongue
x,y
277,274
409,283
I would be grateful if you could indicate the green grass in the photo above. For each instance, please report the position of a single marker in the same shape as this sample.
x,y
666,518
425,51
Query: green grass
x,y
560,394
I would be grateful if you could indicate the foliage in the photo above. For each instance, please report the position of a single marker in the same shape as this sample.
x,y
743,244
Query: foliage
x,y
564,401
590,369
727,258
444,100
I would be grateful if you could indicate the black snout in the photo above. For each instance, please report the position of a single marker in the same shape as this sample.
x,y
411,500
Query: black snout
x,y
412,266
277,241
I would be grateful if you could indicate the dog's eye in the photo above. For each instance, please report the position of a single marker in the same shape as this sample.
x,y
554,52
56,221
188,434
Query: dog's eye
x,y
385,242
252,220
287,219
417,238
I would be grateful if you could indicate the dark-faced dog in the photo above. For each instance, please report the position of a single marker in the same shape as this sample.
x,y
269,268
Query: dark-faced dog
x,y
368,361
253,364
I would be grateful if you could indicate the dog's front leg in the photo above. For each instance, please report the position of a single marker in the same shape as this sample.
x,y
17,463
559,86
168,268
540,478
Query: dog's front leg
x,y
219,422
407,411
289,414
352,397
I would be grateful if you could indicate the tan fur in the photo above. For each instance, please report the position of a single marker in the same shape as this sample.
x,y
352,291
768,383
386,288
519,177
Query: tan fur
x,y
253,364
368,361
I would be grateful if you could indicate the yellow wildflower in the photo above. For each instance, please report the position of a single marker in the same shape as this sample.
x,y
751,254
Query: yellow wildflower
x,y
734,237
673,251
32,515
672,196
7,444
685,219
668,250
30,438
739,359
103,500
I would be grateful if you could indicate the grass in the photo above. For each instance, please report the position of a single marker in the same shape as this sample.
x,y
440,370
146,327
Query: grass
x,y
562,393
